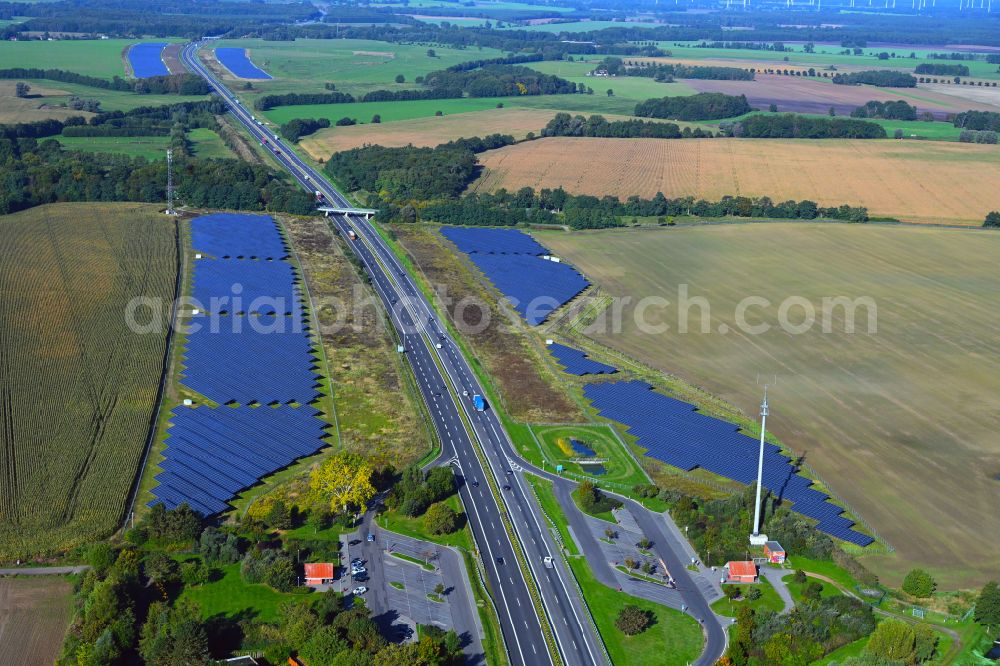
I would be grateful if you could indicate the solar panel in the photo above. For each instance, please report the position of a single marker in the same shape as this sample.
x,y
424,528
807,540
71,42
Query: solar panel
x,y
512,261
237,236
576,362
673,432
213,454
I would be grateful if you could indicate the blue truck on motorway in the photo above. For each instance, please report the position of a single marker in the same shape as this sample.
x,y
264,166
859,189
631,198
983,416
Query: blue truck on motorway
x,y
479,403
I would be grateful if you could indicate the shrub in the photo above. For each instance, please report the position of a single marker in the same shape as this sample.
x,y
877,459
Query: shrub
x,y
754,593
919,583
441,519
633,620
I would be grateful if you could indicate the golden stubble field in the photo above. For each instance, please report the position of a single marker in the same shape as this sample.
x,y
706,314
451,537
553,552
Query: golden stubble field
x,y
427,131
901,423
917,181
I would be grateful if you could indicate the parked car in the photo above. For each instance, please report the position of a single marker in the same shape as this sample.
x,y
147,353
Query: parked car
x,y
358,570
359,590
360,578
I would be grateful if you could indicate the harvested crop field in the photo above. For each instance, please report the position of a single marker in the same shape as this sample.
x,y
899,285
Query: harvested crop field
x,y
808,95
916,181
901,423
427,131
34,616
77,384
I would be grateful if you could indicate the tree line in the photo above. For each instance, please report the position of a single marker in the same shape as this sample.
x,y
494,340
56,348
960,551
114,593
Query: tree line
x,y
666,72
563,124
892,110
795,126
702,106
176,84
939,69
297,128
978,120
885,78
525,206
500,81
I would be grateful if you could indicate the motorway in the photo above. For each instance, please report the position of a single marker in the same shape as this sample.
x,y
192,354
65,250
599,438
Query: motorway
x,y
446,382
420,335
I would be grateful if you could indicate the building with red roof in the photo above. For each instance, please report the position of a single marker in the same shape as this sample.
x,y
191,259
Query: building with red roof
x,y
318,573
741,572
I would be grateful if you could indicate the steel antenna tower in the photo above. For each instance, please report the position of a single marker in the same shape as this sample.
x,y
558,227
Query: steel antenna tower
x,y
756,536
170,183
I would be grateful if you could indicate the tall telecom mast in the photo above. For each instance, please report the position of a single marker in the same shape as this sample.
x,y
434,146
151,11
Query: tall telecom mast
x,y
170,183
756,538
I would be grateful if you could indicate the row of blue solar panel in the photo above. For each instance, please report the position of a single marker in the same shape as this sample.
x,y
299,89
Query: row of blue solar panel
x,y
492,241
235,235
534,286
673,432
577,362
259,351
212,454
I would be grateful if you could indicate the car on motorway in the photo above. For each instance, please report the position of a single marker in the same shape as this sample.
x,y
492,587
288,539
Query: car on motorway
x,y
499,559
359,590
475,483
506,487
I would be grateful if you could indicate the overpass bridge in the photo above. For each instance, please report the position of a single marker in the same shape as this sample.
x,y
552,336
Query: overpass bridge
x,y
327,211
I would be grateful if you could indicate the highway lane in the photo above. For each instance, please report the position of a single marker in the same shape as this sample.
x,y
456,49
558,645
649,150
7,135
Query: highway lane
x,y
520,623
415,319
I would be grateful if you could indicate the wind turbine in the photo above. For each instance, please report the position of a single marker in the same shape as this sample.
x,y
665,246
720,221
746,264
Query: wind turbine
x,y
756,538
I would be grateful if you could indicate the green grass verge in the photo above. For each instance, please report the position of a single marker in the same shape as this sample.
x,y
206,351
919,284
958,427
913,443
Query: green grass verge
x,y
823,568
550,505
231,597
769,600
412,560
675,639
396,584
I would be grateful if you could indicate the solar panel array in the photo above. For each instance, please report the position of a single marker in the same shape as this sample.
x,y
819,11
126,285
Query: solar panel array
x,y
146,59
212,454
577,362
673,432
254,353
510,260
238,62
237,236
492,241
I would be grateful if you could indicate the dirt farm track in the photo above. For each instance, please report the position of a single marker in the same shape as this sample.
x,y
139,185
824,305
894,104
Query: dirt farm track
x,y
915,181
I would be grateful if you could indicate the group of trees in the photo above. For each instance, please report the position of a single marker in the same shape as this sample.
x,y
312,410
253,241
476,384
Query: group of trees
x,y
408,173
563,124
499,81
417,493
667,72
978,120
795,126
297,128
892,110
885,78
977,136
265,102
176,84
592,500
811,630
702,106
939,69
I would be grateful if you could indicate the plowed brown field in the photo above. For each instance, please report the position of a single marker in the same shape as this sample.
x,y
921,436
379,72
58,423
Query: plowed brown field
x,y
929,181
